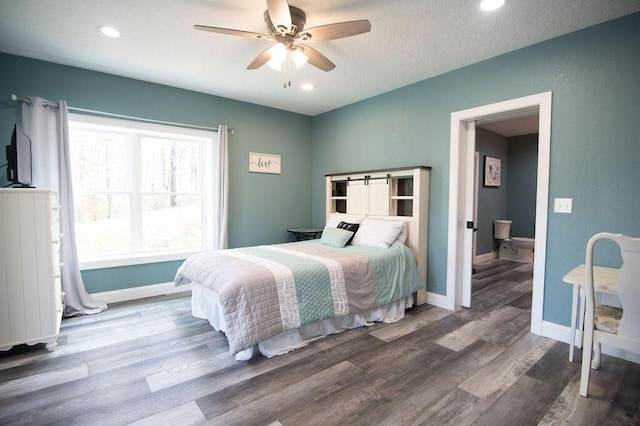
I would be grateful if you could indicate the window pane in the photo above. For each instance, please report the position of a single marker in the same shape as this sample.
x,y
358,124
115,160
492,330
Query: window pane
x,y
170,165
100,161
102,224
171,221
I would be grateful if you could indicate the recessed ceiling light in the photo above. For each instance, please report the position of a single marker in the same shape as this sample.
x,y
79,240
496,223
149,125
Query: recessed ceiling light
x,y
307,87
489,5
110,31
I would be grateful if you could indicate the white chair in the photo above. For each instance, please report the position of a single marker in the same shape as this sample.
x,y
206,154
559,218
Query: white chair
x,y
618,327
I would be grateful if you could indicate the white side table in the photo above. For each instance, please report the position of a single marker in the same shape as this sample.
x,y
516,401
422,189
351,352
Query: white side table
x,y
605,280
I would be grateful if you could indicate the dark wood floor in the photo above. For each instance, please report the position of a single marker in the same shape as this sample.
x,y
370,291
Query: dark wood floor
x,y
151,363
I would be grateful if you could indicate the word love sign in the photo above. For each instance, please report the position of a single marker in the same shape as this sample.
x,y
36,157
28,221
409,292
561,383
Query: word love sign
x,y
264,163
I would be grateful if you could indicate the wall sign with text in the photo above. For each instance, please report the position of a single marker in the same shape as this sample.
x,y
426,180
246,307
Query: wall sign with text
x,y
264,163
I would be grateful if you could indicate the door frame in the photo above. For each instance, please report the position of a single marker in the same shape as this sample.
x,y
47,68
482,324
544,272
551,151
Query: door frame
x,y
462,153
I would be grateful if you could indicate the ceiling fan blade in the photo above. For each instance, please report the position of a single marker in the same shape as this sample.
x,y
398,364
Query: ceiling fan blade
x,y
239,33
280,15
260,60
336,31
317,59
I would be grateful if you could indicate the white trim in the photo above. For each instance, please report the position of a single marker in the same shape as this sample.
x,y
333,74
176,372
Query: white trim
x,y
555,331
439,300
485,257
562,333
458,179
138,258
476,168
140,292
468,212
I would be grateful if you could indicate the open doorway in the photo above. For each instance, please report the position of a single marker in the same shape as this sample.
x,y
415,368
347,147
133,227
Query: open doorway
x,y
514,143
461,196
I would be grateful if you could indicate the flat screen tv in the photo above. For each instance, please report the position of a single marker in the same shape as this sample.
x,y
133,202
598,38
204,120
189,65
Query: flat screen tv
x,y
19,159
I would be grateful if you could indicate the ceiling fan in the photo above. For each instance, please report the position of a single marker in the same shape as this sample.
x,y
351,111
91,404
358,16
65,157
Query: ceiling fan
x,y
285,25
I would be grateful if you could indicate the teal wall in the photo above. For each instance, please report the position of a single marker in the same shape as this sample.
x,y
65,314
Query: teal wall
x,y
492,201
522,184
515,199
261,206
595,153
595,148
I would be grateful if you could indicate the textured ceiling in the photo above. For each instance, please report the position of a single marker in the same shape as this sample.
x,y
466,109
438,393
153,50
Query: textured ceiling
x,y
410,40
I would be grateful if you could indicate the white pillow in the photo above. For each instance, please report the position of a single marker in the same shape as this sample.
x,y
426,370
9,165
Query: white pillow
x,y
336,218
377,232
402,237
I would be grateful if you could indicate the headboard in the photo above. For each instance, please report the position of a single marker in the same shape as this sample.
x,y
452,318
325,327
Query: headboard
x,y
390,194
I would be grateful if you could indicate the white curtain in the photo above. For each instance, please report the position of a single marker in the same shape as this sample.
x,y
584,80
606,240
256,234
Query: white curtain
x,y
47,125
222,189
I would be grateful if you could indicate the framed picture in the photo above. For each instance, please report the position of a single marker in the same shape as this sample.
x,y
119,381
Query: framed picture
x,y
264,163
492,171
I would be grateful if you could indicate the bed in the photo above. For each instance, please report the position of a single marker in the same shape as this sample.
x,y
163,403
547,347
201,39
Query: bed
x,y
276,298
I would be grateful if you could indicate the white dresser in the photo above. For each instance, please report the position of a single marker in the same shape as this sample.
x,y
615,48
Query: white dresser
x,y
31,298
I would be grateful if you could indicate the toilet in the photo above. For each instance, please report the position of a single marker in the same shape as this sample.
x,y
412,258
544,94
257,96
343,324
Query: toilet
x,y
517,249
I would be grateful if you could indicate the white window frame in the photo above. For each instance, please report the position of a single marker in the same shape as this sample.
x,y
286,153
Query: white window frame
x,y
208,163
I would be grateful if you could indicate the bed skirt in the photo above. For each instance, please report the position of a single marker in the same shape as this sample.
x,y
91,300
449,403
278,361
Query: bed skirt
x,y
205,305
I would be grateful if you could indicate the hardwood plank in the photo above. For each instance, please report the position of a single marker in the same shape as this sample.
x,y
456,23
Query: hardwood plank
x,y
147,404
90,390
37,382
624,408
109,356
554,367
571,408
509,332
456,408
402,328
183,415
476,329
381,380
482,306
413,397
288,400
71,410
494,379
301,364
525,404
523,302
188,371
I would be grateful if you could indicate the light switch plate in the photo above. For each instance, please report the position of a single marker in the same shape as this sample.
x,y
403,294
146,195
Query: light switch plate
x,y
563,205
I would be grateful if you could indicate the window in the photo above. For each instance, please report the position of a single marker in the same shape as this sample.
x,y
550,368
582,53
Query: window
x,y
142,192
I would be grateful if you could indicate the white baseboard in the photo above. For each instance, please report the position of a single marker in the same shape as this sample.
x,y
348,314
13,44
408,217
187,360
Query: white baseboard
x,y
439,300
485,257
563,334
556,332
140,292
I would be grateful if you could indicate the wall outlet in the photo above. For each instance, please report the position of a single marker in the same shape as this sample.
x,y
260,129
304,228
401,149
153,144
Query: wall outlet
x,y
562,205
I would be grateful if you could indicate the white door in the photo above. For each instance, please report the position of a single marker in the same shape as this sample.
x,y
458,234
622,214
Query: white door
x,y
467,262
357,197
378,197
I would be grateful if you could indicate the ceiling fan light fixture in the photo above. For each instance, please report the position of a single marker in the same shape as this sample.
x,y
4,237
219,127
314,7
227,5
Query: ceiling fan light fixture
x,y
278,52
298,57
278,55
275,64
307,87
489,5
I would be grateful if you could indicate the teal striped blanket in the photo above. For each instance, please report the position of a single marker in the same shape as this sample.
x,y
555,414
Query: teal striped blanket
x,y
265,290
